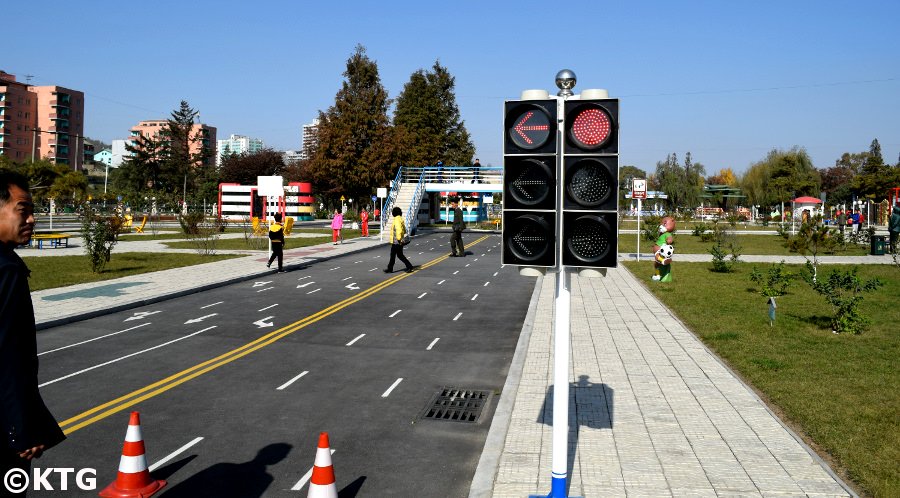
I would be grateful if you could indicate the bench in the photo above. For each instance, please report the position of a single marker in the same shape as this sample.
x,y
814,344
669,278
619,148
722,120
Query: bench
x,y
52,239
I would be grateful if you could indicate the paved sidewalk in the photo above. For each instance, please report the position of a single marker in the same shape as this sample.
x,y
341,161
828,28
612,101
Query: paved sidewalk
x,y
652,412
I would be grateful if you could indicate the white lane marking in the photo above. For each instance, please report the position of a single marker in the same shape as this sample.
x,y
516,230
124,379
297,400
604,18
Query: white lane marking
x,y
423,295
436,339
474,297
295,379
373,269
395,313
376,257
173,454
260,284
495,273
352,286
94,339
442,281
335,268
357,262
110,362
304,285
261,323
476,259
421,253
482,255
360,336
455,318
457,271
267,307
304,278
267,288
345,279
467,265
388,392
486,284
303,480
198,320
210,306
141,315
314,291
502,266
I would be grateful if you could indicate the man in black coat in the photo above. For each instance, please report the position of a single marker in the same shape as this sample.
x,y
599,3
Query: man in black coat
x,y
459,225
26,426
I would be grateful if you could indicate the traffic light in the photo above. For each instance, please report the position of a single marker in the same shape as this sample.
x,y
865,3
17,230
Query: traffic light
x,y
591,177
529,182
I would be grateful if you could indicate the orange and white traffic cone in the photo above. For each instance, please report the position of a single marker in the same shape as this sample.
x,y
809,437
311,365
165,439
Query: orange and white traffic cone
x,y
133,480
322,484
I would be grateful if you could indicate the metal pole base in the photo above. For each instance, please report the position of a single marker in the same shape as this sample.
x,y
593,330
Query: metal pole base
x,y
557,489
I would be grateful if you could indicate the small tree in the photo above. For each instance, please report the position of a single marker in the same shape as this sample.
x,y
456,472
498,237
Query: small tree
x,y
725,250
813,238
843,291
100,236
775,282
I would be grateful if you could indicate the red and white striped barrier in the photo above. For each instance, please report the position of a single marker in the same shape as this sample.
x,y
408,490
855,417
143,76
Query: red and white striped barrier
x,y
133,479
322,484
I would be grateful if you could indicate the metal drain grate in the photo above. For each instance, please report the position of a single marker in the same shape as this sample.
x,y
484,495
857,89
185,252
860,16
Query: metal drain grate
x,y
456,405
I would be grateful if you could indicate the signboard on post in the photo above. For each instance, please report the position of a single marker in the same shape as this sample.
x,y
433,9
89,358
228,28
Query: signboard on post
x,y
639,189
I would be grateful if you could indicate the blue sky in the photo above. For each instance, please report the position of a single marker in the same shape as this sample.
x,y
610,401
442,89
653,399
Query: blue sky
x,y
727,81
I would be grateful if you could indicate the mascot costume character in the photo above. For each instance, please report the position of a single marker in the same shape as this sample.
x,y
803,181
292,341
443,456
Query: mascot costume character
x,y
664,249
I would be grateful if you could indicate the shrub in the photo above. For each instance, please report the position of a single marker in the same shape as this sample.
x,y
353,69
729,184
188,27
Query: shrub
x,y
700,228
725,250
190,222
843,291
100,235
775,282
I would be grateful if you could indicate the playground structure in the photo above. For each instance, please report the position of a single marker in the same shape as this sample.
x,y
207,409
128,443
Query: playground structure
x,y
241,202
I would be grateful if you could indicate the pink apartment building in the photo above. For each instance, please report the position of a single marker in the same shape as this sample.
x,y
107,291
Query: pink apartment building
x,y
152,128
41,122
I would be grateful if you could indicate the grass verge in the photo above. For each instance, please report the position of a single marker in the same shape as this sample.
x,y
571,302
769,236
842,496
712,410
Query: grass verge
x,y
841,391
60,271
685,243
257,244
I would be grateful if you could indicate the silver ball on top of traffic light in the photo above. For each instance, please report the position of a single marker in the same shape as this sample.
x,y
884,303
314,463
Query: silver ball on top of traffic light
x,y
591,179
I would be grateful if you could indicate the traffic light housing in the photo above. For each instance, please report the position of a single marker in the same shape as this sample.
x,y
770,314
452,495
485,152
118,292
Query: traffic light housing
x,y
591,179
530,147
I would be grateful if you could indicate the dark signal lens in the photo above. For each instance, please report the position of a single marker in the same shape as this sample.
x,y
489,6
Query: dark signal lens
x,y
530,238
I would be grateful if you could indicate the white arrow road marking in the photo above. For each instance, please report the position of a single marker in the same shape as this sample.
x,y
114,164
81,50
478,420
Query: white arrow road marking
x,y
436,339
474,297
423,295
267,307
306,477
356,262
141,315
304,285
394,313
352,286
295,379
314,291
210,306
261,323
124,357
457,316
335,268
260,284
173,454
373,269
388,392
198,320
262,290
360,336
94,339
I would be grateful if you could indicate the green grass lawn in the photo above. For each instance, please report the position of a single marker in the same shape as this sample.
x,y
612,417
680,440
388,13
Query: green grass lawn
x,y
59,271
685,243
262,244
841,391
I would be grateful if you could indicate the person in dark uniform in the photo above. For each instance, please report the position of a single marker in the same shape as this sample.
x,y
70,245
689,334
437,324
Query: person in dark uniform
x,y
276,235
456,241
27,428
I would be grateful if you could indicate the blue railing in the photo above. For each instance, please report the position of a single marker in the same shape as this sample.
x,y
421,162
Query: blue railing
x,y
412,213
392,196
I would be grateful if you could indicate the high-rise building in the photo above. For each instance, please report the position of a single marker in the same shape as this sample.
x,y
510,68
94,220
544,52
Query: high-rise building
x,y
41,122
310,139
153,128
237,144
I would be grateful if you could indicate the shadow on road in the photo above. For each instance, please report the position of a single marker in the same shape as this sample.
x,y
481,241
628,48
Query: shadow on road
x,y
244,480
590,404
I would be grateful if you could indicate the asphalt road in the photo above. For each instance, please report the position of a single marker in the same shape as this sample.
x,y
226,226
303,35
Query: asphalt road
x,y
257,369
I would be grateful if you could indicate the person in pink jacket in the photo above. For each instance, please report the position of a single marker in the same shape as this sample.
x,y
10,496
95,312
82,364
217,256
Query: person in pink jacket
x,y
337,223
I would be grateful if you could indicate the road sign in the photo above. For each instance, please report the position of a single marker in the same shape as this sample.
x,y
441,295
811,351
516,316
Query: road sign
x,y
374,198
639,189
342,198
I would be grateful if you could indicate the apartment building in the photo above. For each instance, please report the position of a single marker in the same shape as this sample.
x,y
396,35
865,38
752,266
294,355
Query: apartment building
x,y
309,139
237,144
41,122
153,128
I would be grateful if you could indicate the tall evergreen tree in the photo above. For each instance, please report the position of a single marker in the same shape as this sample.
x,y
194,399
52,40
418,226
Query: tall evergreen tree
x,y
430,121
356,146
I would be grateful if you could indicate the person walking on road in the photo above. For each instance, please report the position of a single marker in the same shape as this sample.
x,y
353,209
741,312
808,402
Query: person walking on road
x,y
894,227
364,222
27,428
337,224
456,241
276,235
398,233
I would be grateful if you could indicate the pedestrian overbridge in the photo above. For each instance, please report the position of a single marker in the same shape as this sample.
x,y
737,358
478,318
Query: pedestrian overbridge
x,y
422,193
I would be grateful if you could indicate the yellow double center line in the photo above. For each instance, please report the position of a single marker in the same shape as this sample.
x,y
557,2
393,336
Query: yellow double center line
x,y
100,412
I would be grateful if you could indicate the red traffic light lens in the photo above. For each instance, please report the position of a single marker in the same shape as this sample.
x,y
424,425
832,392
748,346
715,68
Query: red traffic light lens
x,y
591,128
530,129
